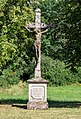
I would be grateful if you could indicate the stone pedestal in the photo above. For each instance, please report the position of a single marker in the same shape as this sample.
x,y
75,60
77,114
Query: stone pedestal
x,y
37,94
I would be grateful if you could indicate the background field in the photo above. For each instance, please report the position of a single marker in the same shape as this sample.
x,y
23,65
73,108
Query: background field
x,y
64,103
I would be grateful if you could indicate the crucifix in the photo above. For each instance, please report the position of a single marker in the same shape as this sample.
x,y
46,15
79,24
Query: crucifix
x,y
37,28
37,85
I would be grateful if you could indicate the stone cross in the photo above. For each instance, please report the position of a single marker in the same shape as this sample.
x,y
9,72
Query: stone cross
x,y
37,28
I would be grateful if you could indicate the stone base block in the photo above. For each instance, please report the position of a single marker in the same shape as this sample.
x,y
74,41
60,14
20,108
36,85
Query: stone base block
x,y
37,105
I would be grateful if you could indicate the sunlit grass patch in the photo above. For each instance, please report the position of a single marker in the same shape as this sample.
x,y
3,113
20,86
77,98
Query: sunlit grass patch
x,y
64,102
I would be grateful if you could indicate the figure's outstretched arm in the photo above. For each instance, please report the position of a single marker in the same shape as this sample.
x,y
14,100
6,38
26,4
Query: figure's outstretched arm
x,y
44,31
38,31
28,29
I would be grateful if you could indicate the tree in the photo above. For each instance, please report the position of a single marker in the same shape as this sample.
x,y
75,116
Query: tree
x,y
15,41
52,41
63,41
72,28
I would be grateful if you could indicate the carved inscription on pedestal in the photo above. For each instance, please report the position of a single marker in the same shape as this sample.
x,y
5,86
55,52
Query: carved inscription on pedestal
x,y
38,92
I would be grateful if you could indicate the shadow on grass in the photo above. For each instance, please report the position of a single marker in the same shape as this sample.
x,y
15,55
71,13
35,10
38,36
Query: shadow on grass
x,y
52,104
23,106
64,104
13,101
19,103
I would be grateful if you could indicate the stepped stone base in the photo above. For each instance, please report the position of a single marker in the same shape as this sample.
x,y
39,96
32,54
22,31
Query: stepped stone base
x,y
37,94
37,105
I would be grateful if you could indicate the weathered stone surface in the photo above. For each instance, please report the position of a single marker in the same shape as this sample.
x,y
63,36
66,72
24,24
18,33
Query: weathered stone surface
x,y
37,28
37,85
37,105
37,94
37,90
37,80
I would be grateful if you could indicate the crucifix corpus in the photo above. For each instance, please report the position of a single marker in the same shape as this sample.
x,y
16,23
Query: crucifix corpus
x,y
37,28
37,85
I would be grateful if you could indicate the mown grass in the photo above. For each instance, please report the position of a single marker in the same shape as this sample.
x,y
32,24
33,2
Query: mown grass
x,y
64,103
65,93
8,112
14,94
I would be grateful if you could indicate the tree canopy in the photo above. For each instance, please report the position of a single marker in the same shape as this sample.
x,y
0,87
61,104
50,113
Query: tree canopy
x,y
61,42
65,38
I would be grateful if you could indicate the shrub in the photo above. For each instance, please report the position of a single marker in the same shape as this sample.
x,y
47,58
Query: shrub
x,y
77,74
54,71
15,72
9,77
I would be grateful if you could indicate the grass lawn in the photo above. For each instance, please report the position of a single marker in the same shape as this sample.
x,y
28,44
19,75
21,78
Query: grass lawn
x,y
64,103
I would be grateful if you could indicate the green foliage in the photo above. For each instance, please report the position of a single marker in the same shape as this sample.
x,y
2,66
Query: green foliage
x,y
14,38
8,77
15,41
77,74
72,29
52,41
13,73
54,71
61,42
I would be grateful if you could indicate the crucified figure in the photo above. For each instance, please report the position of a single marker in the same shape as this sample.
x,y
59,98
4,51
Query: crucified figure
x,y
37,28
37,43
